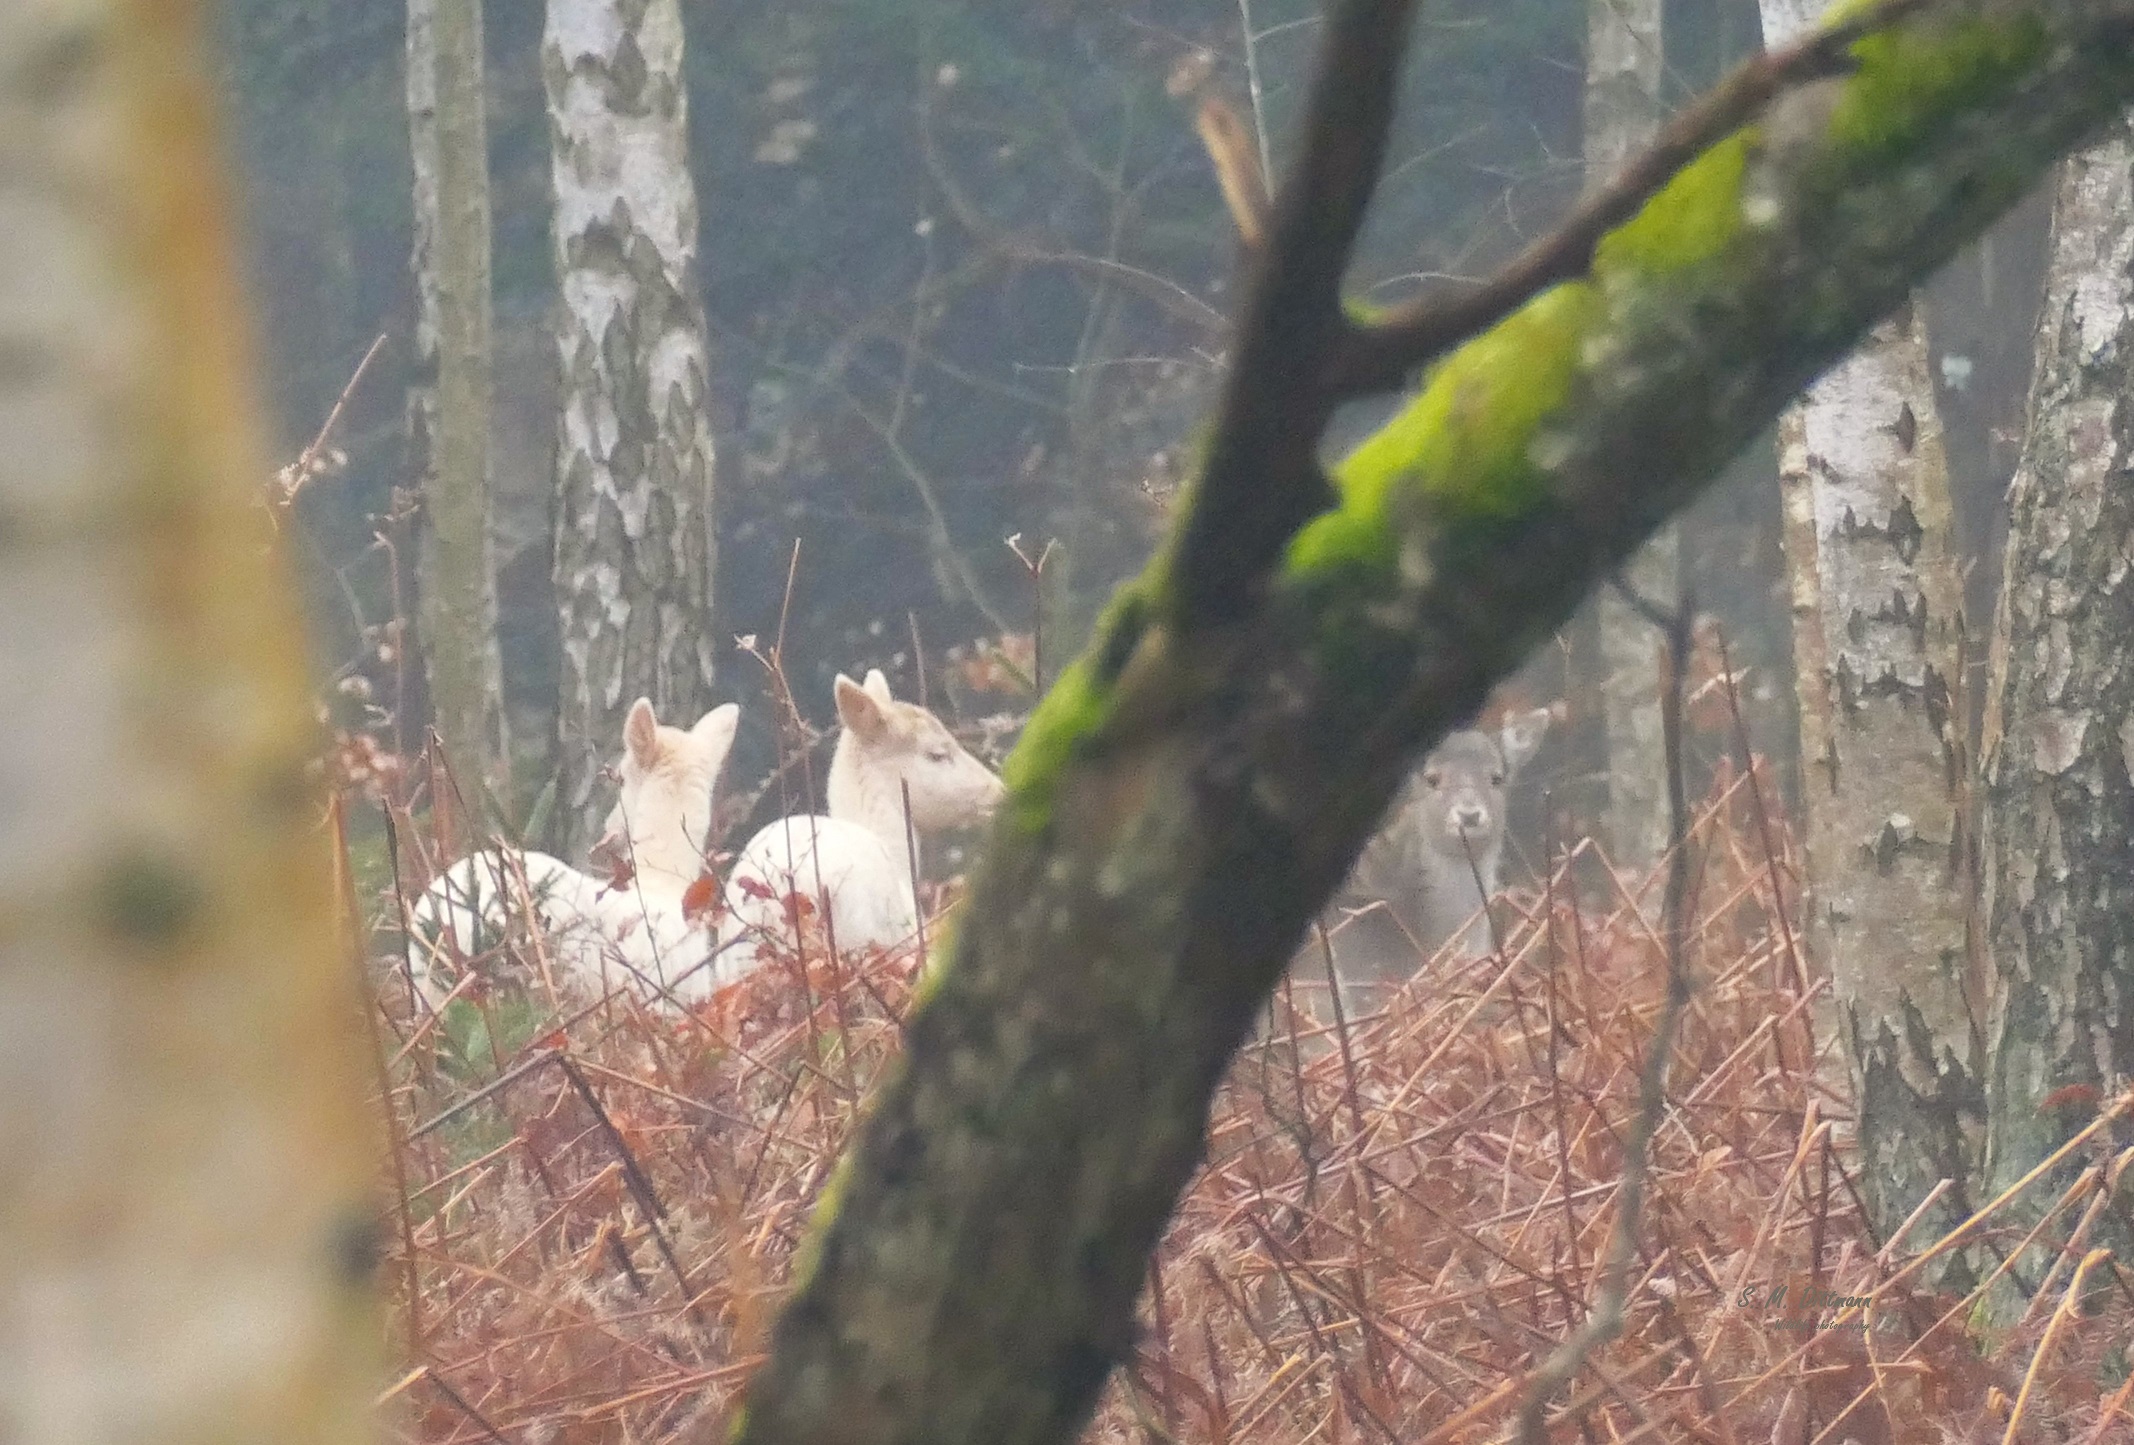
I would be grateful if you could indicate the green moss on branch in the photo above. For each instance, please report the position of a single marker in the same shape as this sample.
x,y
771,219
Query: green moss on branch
x,y
1195,787
1911,79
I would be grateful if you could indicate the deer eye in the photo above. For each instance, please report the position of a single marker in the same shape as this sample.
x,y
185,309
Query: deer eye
x,y
1496,780
938,755
1433,779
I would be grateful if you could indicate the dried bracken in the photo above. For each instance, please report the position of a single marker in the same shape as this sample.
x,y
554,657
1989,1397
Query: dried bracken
x,y
1399,1217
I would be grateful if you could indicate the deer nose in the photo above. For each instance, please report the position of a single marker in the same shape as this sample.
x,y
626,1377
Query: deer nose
x,y
1470,819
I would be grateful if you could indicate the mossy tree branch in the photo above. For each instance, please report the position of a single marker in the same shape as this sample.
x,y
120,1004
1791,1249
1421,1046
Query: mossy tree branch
x,y
1402,339
1193,789
1262,477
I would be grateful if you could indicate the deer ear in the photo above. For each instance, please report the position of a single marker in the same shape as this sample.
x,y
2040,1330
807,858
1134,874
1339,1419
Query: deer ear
x,y
715,730
859,709
1521,735
640,733
878,685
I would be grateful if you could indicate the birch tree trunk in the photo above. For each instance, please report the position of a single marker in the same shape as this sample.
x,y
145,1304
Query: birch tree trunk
x,y
448,401
2058,837
187,1220
634,520
1877,649
1625,58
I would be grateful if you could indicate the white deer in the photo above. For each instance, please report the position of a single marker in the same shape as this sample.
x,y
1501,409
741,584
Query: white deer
x,y
1424,880
853,866
596,933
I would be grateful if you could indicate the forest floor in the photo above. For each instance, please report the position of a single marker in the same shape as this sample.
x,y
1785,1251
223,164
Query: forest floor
x,y
1399,1218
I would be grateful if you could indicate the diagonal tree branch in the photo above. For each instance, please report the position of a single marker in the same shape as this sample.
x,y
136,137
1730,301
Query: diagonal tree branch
x,y
1262,477
1382,354
1191,790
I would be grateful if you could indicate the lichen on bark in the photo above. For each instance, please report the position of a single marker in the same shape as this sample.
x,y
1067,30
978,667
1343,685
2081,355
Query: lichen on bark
x,y
450,387
2057,838
1878,639
634,463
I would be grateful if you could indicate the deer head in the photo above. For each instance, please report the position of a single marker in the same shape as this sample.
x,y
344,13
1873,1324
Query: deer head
x,y
1456,804
663,812
889,748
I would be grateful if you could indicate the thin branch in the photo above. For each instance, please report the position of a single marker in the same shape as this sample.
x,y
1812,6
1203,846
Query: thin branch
x,y
1263,477
1166,295
1382,355
312,462
640,1187
460,1403
1606,1320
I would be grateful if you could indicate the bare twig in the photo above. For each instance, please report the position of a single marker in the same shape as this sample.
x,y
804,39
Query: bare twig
x,y
1381,355
1262,478
1034,569
1606,1320
1167,295
459,1403
312,461
648,1202
1765,837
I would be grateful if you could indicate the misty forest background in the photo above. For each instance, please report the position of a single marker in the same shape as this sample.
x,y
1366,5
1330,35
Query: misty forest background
x,y
967,275
966,272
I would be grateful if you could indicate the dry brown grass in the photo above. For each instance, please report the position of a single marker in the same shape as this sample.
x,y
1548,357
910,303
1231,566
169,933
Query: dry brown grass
x,y
1398,1219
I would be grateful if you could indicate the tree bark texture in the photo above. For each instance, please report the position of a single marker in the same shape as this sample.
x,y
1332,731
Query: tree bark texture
x,y
1625,60
2057,842
1194,787
1878,629
634,556
449,399
187,1211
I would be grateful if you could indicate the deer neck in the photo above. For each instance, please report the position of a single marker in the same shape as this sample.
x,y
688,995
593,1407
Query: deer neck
x,y
666,859
1452,879
863,791
666,876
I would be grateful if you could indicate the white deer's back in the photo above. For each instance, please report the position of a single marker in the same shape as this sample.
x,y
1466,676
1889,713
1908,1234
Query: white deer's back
x,y
499,897
839,870
593,934
896,765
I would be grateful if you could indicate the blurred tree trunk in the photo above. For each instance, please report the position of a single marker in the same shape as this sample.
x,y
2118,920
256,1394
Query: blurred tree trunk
x,y
1625,60
2057,840
635,515
187,1213
1878,625
1189,793
448,401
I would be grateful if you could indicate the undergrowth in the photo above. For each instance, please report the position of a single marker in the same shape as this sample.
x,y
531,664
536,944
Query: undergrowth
x,y
597,1205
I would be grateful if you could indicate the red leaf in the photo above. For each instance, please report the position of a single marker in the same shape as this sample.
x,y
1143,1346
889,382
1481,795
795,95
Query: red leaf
x,y
2073,1096
701,897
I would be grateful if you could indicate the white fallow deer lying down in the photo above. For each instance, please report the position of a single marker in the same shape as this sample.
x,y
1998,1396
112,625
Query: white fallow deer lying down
x,y
596,934
853,866
1422,882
